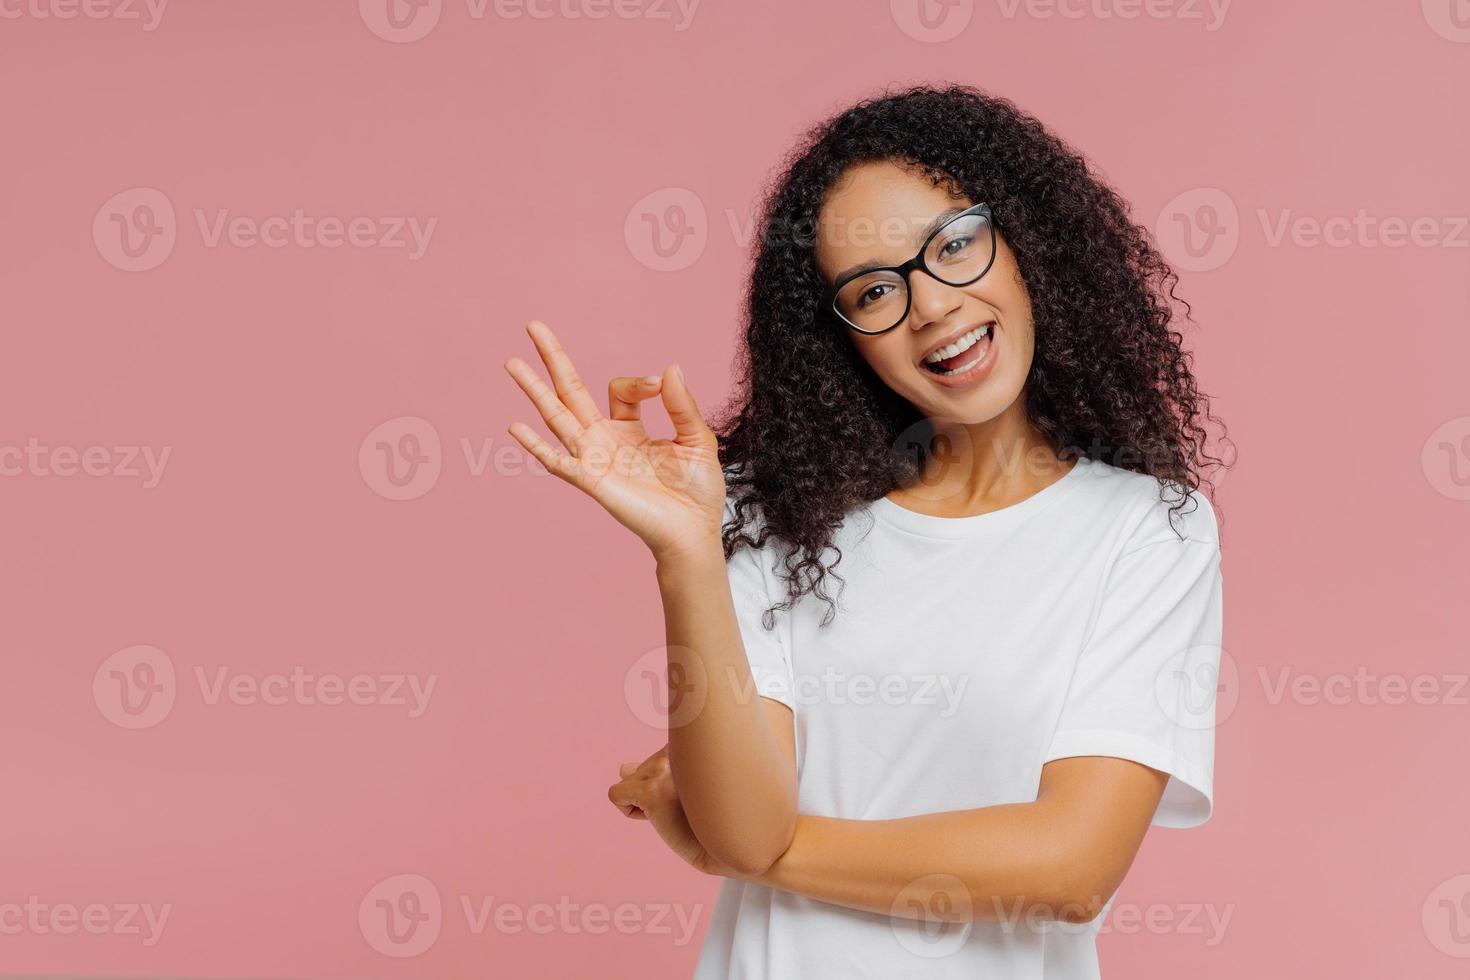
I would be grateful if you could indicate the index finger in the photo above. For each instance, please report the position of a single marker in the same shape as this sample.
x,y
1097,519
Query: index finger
x,y
574,394
624,394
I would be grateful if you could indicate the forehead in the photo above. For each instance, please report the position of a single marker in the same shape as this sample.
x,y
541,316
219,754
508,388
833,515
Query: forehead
x,y
879,212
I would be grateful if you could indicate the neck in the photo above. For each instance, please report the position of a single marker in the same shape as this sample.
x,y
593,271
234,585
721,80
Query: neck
x,y
983,466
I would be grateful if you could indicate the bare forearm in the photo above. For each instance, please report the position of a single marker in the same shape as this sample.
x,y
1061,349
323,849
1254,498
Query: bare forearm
x,y
737,789
986,864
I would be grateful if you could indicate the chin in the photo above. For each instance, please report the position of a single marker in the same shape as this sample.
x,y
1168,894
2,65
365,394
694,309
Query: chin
x,y
976,416
977,406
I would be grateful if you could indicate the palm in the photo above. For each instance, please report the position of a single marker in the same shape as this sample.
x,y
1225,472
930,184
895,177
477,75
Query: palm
x,y
670,492
657,488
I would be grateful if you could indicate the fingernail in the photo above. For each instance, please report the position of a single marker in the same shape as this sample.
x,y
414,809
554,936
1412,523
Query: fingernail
x,y
680,372
652,379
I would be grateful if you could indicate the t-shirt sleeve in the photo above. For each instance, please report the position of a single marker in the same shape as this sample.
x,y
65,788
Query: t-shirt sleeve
x,y
1145,682
767,651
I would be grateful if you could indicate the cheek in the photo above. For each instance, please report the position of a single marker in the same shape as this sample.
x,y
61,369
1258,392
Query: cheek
x,y
888,361
1020,344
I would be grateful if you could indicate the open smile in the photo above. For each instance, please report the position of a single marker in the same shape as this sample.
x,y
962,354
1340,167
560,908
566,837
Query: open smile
x,y
964,359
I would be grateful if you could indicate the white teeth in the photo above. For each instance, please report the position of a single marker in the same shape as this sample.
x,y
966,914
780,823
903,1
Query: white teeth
x,y
959,346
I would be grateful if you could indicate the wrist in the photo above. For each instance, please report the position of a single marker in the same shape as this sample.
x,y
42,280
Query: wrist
x,y
703,553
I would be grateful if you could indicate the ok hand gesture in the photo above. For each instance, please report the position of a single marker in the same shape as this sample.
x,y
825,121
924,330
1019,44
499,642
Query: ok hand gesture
x,y
669,492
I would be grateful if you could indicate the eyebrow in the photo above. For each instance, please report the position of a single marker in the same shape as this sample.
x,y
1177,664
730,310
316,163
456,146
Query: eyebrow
x,y
928,230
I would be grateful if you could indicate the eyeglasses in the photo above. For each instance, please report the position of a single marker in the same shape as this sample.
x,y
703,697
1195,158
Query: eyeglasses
x,y
957,253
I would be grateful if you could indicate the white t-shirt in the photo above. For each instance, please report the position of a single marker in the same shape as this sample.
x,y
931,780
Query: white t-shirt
x,y
966,653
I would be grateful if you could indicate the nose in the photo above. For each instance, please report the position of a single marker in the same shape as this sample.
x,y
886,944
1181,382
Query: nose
x,y
930,299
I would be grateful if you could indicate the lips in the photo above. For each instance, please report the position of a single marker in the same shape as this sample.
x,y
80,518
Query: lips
x,y
971,365
958,351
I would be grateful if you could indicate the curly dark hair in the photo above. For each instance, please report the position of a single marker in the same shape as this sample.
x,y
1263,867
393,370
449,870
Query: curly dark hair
x,y
1110,378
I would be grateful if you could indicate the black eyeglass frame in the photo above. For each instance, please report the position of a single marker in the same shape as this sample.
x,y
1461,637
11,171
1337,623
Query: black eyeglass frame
x,y
829,298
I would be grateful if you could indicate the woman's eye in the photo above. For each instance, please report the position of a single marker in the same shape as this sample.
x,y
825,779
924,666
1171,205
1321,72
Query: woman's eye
x,y
963,244
868,295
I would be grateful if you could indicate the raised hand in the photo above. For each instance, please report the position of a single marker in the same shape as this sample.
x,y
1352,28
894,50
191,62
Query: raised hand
x,y
669,492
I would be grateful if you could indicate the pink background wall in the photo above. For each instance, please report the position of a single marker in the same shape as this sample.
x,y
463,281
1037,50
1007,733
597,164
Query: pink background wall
x,y
1316,152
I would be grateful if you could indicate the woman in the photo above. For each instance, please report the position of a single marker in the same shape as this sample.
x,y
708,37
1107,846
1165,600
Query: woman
x,y
961,383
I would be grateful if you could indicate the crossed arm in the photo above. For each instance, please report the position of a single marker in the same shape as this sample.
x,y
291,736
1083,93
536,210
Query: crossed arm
x,y
1059,857
724,797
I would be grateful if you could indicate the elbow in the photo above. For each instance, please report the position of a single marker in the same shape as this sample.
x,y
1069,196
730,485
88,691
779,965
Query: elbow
x,y
753,857
1078,891
1055,881
1081,907
1055,904
746,863
747,837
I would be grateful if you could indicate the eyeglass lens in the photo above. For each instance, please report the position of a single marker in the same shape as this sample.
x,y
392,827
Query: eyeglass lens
x,y
957,255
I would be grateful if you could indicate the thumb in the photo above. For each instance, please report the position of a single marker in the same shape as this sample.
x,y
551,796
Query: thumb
x,y
689,427
626,797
